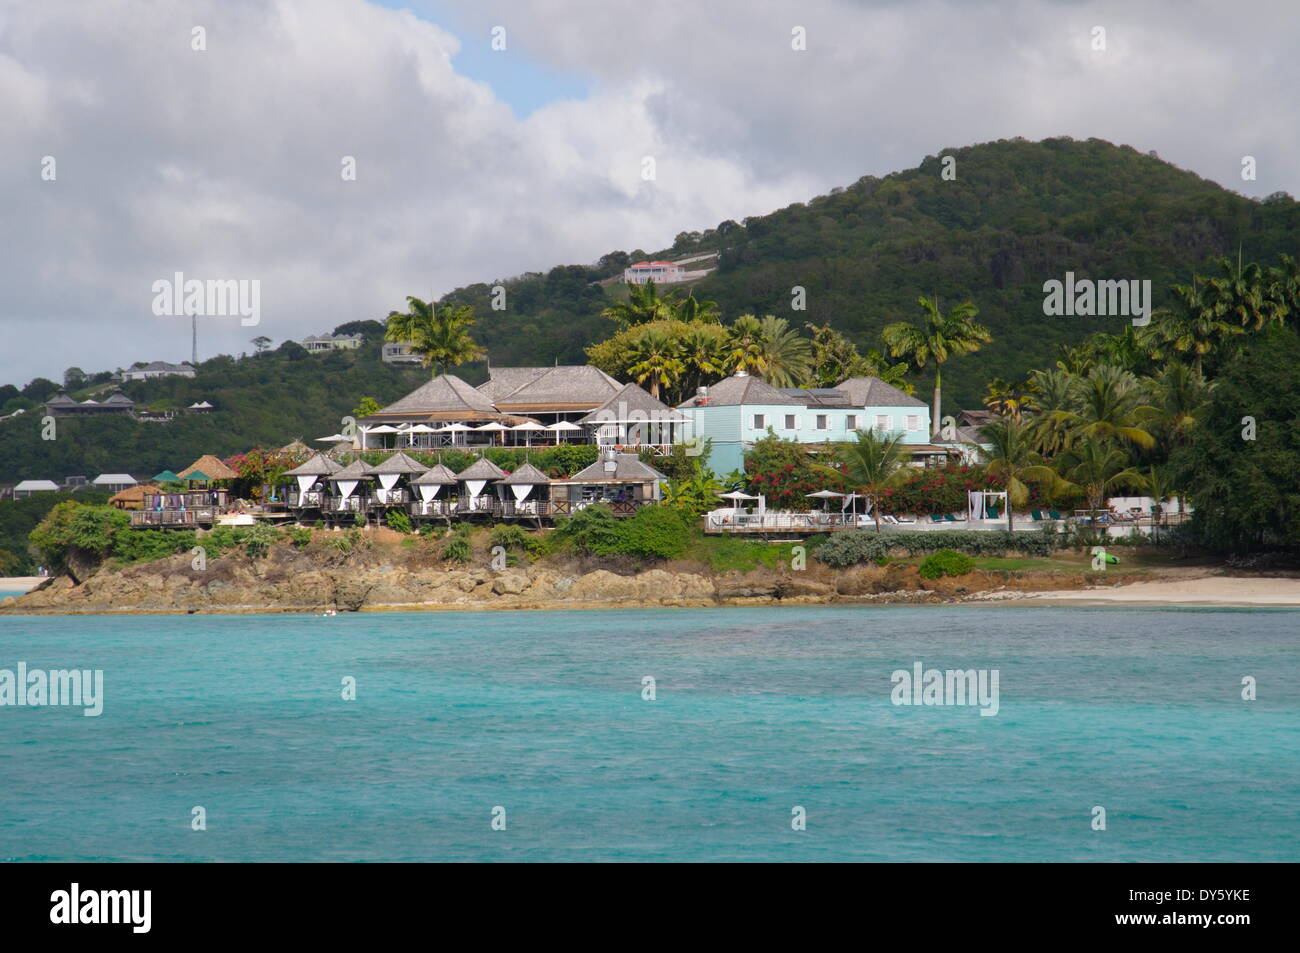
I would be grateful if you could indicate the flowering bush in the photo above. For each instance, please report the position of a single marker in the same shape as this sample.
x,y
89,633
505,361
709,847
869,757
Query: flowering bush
x,y
785,472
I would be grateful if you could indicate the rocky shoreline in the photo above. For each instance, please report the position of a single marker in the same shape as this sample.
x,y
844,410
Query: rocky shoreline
x,y
295,582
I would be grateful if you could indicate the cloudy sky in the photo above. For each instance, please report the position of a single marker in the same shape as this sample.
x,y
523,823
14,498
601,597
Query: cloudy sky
x,y
474,163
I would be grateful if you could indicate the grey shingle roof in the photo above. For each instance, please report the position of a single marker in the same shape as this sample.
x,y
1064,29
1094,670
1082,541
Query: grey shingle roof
x,y
318,465
873,392
566,384
743,389
445,393
631,399
356,470
481,469
397,463
435,476
527,474
629,467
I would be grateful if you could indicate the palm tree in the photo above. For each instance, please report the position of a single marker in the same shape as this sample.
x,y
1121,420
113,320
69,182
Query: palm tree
x,y
1193,327
745,349
655,357
939,337
1095,468
1054,393
787,356
703,349
1178,394
1158,483
691,310
874,462
1009,400
643,305
440,336
1241,295
1107,404
1012,458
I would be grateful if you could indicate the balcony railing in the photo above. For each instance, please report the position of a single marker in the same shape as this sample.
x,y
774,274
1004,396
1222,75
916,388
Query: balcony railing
x,y
185,517
393,497
430,507
350,504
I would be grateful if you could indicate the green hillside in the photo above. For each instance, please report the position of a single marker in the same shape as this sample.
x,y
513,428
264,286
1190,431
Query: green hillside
x,y
1017,214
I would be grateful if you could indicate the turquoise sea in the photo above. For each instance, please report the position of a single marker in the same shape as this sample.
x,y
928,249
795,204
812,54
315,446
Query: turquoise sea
x,y
757,711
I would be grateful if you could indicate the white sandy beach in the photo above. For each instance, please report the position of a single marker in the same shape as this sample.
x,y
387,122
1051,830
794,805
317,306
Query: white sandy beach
x,y
1203,591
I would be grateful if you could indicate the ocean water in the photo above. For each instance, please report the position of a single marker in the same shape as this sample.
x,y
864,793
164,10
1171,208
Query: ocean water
x,y
757,712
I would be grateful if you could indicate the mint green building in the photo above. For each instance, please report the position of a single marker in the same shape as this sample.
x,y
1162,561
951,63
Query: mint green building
x,y
736,412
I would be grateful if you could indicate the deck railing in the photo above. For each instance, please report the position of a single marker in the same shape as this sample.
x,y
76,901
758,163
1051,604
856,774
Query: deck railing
x,y
185,517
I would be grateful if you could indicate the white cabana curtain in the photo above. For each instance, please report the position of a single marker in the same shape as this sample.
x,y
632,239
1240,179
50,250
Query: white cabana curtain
x,y
305,482
429,491
346,487
520,490
475,487
386,480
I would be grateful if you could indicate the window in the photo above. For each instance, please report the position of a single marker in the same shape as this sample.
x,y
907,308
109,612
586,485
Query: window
x,y
790,422
913,422
851,422
821,422
882,422
760,422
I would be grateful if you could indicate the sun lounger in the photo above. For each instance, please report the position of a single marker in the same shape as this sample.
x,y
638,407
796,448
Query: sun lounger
x,y
949,518
1055,515
936,518
1037,515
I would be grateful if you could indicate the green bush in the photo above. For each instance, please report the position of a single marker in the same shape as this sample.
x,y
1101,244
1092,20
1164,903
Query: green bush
x,y
146,545
512,537
946,562
299,536
457,548
399,521
853,546
655,532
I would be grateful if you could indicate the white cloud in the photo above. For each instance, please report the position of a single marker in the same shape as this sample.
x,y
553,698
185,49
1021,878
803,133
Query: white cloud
x,y
226,163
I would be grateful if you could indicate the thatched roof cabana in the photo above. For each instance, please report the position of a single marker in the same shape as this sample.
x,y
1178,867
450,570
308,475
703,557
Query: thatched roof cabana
x,y
356,470
398,463
526,475
481,469
318,465
132,498
439,475
211,466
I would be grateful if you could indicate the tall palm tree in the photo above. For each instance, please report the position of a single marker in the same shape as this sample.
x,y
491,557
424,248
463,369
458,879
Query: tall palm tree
x,y
1054,391
871,464
1178,395
1193,326
1009,400
786,355
440,336
703,349
1240,295
1158,483
656,360
643,305
1012,458
939,337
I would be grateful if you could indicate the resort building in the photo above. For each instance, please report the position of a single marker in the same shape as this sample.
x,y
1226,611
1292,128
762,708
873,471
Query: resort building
x,y
145,372
660,272
740,410
116,404
398,353
317,343
524,407
31,487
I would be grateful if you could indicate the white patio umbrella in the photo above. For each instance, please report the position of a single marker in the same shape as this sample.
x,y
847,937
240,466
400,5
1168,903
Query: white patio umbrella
x,y
454,429
736,496
563,426
824,495
493,425
333,438
528,428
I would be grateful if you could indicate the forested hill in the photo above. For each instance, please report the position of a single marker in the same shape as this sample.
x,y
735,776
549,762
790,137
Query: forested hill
x,y
264,400
1017,214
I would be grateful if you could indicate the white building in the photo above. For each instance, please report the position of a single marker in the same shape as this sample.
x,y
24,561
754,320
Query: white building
x,y
397,353
330,342
27,487
144,372
116,482
661,272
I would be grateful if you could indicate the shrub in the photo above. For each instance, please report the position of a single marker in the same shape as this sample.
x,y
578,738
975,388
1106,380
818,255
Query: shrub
x,y
146,545
946,562
853,546
512,537
457,548
655,532
299,536
399,521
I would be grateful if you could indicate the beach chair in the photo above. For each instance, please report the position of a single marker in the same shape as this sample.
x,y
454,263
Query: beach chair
x,y
1037,515
1055,515
936,518
949,518
990,512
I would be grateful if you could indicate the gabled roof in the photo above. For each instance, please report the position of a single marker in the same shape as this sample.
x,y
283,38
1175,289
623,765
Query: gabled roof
x,y
114,479
813,397
445,393
118,399
632,400
397,463
628,467
527,475
520,387
318,465
437,475
60,400
481,469
214,468
873,392
356,470
743,389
